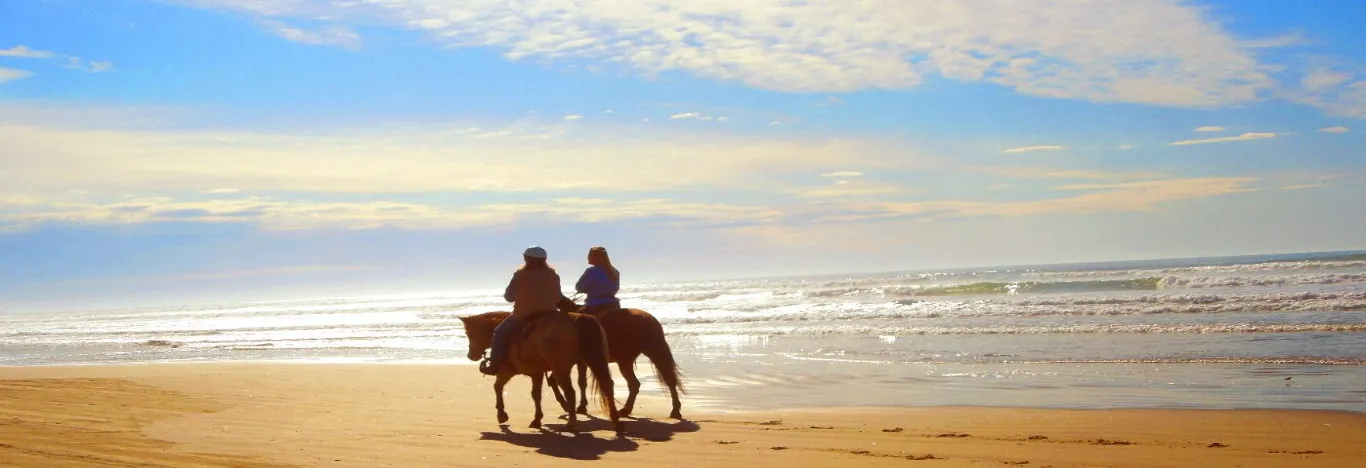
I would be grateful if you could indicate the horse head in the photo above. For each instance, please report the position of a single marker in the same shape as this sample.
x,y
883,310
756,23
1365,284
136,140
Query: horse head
x,y
479,332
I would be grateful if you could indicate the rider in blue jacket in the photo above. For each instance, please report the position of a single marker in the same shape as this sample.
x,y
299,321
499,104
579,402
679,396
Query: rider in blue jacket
x,y
600,283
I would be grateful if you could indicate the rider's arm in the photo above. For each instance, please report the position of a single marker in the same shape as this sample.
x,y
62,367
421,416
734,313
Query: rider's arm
x,y
508,294
585,281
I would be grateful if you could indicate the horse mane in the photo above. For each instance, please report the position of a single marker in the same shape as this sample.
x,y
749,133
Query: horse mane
x,y
489,319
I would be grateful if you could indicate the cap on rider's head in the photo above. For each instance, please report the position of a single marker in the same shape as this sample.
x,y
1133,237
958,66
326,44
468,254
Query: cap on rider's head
x,y
534,252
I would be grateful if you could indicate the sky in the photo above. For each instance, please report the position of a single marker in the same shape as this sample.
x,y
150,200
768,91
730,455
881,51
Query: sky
x,y
170,150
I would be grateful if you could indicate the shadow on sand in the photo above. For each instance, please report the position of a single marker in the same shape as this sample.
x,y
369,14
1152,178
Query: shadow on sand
x,y
582,445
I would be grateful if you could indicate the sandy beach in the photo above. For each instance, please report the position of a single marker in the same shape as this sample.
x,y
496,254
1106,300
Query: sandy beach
x,y
261,414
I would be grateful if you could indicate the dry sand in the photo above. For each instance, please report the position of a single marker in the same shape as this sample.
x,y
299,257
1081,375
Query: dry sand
x,y
252,415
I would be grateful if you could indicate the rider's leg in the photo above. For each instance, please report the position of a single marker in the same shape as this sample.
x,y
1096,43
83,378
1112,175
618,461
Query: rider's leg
x,y
498,355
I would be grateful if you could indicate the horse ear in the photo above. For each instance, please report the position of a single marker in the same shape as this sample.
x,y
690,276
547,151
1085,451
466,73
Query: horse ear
x,y
464,319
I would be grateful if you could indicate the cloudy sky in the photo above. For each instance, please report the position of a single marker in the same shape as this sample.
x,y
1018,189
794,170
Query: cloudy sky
x,y
155,149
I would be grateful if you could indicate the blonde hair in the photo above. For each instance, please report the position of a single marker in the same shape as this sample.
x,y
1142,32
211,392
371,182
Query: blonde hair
x,y
606,262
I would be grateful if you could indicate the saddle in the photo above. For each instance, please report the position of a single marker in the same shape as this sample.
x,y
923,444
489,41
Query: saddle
x,y
529,325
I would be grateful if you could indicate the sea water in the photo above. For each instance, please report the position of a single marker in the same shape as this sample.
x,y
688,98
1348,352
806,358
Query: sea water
x,y
1284,331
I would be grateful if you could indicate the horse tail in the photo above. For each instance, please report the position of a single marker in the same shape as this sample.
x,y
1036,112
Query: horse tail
x,y
657,349
593,353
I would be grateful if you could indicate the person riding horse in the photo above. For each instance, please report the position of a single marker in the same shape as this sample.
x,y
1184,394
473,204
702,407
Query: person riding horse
x,y
599,283
533,289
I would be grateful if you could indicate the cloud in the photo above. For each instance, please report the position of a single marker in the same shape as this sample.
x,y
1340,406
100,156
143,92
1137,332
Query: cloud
x,y
843,174
1162,52
1210,129
850,188
282,215
1333,90
1305,186
1027,149
685,115
77,63
1103,198
11,74
416,159
334,35
1333,130
573,117
1026,172
1125,147
221,191
23,51
1243,137
1323,79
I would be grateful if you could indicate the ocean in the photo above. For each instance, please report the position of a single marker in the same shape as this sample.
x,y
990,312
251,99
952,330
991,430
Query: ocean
x,y
1282,331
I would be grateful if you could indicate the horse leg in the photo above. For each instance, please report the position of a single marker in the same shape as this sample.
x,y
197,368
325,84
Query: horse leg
x,y
498,384
563,377
678,405
536,398
628,372
583,389
554,387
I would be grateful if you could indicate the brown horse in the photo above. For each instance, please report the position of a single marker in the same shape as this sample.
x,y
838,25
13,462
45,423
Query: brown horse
x,y
553,342
630,333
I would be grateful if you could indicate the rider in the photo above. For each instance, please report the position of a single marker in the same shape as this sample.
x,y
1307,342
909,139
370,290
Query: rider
x,y
599,282
534,288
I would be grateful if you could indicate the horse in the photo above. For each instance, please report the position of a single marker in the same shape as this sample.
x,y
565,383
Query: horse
x,y
548,342
630,333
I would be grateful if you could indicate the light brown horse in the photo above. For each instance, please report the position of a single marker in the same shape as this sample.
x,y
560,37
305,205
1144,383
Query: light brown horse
x,y
553,342
630,333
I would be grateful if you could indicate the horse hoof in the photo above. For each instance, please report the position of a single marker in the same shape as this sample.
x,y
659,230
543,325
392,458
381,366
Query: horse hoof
x,y
535,424
502,417
676,415
582,410
625,412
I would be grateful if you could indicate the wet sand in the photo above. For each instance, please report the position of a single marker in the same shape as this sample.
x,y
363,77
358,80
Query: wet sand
x,y
255,415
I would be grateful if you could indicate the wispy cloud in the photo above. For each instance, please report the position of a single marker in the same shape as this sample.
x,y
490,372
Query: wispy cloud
x,y
843,174
23,51
1209,129
1163,53
1305,186
685,115
573,117
1027,149
221,191
1334,130
850,188
1103,198
11,74
1243,137
275,214
77,63
334,35
1337,90
1125,147
413,160
1030,172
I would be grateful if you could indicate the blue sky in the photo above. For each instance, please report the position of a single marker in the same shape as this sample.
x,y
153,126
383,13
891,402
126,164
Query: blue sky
x,y
178,149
